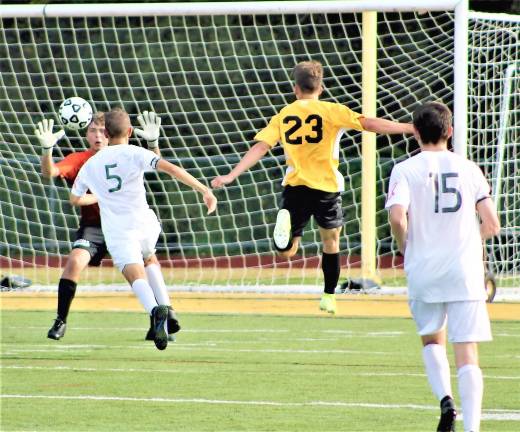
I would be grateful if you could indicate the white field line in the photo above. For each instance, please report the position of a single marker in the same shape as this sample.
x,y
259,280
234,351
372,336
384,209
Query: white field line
x,y
131,370
503,294
343,333
257,330
390,374
222,402
190,347
10,348
491,414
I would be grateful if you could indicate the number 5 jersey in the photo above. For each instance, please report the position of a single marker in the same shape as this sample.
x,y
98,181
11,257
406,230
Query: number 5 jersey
x,y
116,177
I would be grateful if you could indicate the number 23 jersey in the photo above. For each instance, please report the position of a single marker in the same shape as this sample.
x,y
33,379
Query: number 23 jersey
x,y
309,131
444,258
116,176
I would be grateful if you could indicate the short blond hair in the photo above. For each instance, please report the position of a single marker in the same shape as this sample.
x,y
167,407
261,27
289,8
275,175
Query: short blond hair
x,y
117,123
308,75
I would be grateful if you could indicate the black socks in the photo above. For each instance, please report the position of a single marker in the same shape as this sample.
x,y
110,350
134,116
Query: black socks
x,y
66,292
331,269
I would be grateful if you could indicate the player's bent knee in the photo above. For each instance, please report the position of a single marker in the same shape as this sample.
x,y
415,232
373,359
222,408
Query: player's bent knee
x,y
77,260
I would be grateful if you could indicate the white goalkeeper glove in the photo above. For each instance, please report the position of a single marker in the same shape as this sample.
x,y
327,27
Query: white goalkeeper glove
x,y
45,136
151,128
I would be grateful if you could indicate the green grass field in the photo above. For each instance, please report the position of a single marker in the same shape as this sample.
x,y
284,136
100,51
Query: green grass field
x,y
235,373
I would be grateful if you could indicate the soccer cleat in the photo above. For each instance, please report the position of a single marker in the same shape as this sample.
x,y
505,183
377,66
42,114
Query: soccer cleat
x,y
448,415
160,318
282,230
173,326
328,303
173,322
150,334
57,331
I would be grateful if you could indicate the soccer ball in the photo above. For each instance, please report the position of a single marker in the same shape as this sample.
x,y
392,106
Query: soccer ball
x,y
75,113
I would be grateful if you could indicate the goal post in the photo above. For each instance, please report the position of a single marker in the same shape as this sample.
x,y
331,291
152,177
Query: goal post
x,y
216,73
368,149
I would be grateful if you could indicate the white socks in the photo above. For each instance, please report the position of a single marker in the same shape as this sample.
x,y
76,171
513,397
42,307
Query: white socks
x,y
471,389
156,281
144,293
437,369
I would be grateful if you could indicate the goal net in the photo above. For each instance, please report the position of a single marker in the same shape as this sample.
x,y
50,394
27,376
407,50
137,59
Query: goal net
x,y
216,80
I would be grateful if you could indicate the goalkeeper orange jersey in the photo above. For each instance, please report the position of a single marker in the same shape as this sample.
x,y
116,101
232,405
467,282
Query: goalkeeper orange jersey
x,y
69,168
310,130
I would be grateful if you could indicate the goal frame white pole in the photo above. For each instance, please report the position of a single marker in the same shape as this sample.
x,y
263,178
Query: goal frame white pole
x,y
460,87
223,8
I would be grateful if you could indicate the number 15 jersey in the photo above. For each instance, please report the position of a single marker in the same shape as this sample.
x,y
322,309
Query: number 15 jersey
x,y
443,258
310,130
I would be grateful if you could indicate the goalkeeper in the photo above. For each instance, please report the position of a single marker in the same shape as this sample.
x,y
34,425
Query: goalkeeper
x,y
90,248
309,131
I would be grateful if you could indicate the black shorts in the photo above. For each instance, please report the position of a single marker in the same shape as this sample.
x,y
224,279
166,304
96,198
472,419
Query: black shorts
x,y
92,240
304,202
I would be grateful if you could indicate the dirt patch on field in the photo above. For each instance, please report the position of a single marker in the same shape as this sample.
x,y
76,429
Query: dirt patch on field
x,y
275,304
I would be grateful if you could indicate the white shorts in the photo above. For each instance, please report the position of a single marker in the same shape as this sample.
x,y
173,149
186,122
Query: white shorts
x,y
468,321
130,246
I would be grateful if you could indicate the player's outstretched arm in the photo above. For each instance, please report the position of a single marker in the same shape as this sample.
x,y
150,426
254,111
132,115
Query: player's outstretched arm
x,y
489,222
151,130
87,199
48,140
253,155
387,127
184,177
399,225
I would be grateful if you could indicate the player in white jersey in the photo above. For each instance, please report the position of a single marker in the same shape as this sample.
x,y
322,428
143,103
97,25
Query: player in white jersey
x,y
130,227
433,202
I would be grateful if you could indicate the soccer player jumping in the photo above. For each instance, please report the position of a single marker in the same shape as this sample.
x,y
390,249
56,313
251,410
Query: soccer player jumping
x,y
115,176
90,248
433,200
309,131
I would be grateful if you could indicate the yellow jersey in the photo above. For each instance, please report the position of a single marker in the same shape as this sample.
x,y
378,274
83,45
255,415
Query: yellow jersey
x,y
310,130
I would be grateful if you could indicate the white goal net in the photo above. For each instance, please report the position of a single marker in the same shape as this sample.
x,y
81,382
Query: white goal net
x,y
216,80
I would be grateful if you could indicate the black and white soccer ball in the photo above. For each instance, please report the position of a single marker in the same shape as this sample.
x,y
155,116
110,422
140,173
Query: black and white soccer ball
x,y
75,113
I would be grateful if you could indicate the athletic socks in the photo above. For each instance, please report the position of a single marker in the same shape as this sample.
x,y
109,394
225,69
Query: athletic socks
x,y
471,389
156,281
437,369
331,270
66,292
144,293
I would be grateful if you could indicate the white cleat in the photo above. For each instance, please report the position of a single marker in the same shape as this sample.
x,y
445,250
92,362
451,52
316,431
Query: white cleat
x,y
282,229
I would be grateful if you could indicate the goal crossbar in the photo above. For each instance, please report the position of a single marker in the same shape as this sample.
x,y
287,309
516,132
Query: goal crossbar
x,y
222,8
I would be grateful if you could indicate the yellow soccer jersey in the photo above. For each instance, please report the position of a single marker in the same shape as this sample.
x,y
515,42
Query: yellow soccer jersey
x,y
310,130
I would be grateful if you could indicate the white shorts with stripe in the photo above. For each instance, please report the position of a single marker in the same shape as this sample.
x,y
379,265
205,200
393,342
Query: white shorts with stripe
x,y
467,321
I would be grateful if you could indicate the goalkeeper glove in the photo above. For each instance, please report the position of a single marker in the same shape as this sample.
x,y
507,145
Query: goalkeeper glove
x,y
151,125
45,136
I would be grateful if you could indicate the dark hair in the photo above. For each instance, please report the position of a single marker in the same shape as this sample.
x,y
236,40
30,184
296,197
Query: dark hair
x,y
117,123
432,120
308,76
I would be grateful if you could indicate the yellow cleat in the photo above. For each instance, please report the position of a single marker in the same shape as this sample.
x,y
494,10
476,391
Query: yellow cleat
x,y
328,303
